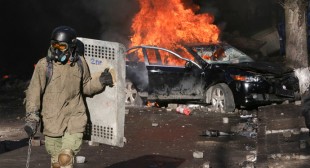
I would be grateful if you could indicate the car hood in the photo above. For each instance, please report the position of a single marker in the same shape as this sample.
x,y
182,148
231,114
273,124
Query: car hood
x,y
263,67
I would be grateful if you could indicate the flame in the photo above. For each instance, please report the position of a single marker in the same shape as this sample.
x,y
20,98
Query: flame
x,y
152,104
169,24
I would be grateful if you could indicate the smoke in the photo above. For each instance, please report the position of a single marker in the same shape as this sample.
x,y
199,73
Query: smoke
x,y
115,17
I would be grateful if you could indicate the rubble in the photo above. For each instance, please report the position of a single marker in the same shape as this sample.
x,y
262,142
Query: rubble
x,y
206,165
92,143
172,106
126,111
80,159
198,155
288,156
36,141
183,109
168,109
298,102
154,124
252,157
215,133
248,128
287,131
225,120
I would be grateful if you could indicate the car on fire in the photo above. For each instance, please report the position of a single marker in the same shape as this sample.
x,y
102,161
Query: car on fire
x,y
216,75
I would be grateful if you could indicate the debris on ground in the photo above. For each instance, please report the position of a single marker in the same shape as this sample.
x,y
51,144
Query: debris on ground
x,y
198,154
214,133
247,128
183,109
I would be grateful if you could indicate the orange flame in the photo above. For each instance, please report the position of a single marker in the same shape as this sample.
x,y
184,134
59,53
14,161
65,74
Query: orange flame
x,y
169,23
152,104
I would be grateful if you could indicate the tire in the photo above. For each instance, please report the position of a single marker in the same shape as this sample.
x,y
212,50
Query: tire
x,y
132,97
222,99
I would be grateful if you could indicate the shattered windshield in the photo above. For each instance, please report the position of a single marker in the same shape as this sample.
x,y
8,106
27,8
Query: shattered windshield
x,y
221,54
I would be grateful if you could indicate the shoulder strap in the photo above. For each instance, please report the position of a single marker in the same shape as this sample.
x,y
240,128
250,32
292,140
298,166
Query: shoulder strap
x,y
80,64
49,72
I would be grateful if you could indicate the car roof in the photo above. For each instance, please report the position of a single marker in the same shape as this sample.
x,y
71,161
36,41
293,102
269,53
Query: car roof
x,y
184,44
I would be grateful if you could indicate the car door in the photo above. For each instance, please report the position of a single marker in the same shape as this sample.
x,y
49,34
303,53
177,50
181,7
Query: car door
x,y
171,77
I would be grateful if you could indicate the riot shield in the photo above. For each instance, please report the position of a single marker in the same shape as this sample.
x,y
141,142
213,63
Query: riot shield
x,y
107,109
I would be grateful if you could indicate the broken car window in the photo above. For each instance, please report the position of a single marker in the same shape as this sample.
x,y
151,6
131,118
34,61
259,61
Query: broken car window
x,y
236,56
221,54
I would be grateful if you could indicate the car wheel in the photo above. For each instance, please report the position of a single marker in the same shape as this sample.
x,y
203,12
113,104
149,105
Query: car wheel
x,y
222,99
132,97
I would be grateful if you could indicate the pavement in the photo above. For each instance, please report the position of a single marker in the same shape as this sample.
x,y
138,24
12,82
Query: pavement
x,y
272,136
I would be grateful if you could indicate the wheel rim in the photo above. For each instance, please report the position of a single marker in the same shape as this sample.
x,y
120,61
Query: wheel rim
x,y
131,93
218,100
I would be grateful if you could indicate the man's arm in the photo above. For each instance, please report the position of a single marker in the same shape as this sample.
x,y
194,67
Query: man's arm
x,y
91,82
33,98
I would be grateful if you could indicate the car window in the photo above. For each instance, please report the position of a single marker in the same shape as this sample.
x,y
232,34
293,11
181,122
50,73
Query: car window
x,y
153,59
135,55
170,59
204,52
236,56
221,54
161,57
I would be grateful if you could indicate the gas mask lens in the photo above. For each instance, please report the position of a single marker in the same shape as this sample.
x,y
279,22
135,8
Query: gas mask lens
x,y
62,46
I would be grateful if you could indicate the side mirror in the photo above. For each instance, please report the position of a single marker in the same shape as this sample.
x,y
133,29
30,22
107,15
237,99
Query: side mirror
x,y
189,65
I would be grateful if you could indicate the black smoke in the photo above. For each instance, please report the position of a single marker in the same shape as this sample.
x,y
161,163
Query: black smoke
x,y
26,27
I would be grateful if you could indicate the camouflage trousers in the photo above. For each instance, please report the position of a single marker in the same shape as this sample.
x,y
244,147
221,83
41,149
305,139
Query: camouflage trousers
x,y
55,145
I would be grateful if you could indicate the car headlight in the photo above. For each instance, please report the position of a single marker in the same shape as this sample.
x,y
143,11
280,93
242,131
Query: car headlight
x,y
254,78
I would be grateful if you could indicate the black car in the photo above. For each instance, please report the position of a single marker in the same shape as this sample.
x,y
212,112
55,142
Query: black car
x,y
209,74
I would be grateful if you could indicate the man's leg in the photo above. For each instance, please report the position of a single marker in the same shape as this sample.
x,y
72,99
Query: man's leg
x,y
53,147
71,145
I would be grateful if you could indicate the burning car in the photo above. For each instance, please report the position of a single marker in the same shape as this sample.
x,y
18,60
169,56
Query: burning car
x,y
214,74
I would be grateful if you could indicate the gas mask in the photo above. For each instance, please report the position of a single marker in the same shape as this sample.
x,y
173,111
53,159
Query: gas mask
x,y
61,51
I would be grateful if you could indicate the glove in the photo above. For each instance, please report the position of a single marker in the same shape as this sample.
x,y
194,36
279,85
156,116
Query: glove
x,y
32,123
106,78
31,128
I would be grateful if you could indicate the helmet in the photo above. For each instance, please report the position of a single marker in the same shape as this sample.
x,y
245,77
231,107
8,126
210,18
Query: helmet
x,y
64,34
63,44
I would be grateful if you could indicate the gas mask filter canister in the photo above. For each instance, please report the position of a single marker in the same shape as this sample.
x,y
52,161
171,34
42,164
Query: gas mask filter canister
x,y
60,51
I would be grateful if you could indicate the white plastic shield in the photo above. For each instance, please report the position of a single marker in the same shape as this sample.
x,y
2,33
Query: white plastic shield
x,y
107,109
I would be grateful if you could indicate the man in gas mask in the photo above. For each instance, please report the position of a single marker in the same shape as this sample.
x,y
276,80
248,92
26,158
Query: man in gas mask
x,y
55,93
